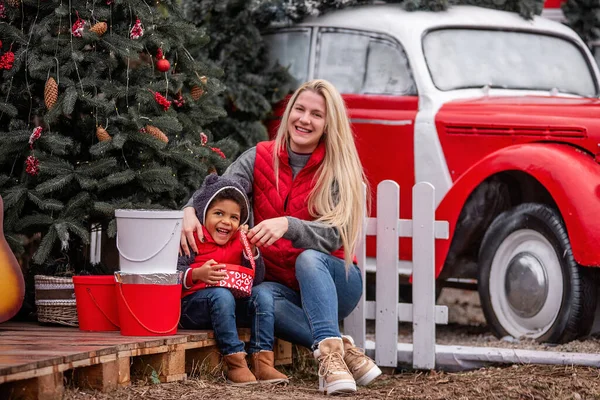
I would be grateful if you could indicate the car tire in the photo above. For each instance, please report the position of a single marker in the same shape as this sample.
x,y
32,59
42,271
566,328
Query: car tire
x,y
528,281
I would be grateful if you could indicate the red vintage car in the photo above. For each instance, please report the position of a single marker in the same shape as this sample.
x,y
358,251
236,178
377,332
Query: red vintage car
x,y
502,116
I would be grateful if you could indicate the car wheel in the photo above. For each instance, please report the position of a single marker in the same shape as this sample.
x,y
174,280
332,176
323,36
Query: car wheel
x,y
529,283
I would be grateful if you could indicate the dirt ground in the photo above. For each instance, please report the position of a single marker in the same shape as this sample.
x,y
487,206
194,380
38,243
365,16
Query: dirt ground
x,y
467,327
514,382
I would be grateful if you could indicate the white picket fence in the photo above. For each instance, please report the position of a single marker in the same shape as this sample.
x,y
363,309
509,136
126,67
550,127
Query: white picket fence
x,y
386,310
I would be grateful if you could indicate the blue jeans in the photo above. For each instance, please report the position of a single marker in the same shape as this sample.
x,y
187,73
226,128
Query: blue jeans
x,y
327,295
215,308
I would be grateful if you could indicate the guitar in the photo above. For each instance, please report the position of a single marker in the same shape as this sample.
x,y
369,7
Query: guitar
x,y
12,284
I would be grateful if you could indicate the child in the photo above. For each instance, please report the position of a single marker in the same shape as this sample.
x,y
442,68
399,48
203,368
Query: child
x,y
223,209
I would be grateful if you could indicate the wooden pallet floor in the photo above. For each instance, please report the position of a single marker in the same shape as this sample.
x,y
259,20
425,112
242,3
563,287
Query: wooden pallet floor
x,y
34,358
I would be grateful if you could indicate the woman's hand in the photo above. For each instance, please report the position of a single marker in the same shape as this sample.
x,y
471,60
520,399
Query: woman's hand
x,y
244,228
210,273
191,224
268,231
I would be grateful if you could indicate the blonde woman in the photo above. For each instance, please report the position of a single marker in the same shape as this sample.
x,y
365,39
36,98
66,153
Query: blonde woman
x,y
307,190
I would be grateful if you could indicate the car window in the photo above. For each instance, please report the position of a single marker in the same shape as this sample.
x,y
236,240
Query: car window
x,y
356,62
466,58
291,48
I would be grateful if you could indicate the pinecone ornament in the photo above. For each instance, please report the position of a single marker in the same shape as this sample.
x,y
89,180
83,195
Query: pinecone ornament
x,y
196,92
157,133
50,93
99,28
102,134
14,3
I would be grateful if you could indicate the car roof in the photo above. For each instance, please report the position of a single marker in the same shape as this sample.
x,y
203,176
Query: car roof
x,y
394,19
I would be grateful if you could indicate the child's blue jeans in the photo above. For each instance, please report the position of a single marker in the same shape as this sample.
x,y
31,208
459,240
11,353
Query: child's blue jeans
x,y
215,308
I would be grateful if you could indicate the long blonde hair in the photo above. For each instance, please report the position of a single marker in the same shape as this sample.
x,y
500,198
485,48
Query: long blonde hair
x,y
341,167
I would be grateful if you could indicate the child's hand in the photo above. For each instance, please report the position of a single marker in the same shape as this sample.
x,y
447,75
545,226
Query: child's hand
x,y
210,273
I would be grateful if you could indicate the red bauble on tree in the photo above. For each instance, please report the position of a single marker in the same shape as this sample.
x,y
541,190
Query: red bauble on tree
x,y
163,65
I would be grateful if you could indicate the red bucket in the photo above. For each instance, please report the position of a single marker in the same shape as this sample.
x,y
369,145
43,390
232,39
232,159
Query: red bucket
x,y
148,309
96,302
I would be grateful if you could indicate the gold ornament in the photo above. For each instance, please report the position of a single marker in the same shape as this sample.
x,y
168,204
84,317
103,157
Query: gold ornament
x,y
50,93
102,134
14,3
196,92
157,133
203,79
99,28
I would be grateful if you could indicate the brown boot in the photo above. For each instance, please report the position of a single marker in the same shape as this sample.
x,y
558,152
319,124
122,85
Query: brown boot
x,y
362,367
263,366
238,373
334,377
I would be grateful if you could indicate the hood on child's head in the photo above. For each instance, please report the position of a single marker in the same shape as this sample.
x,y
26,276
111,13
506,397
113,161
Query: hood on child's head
x,y
214,184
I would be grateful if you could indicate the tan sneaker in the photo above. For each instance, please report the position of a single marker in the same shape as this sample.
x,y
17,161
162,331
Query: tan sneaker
x,y
263,367
362,367
238,373
334,377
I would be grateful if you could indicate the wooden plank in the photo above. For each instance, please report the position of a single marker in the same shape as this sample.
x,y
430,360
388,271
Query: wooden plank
x,y
124,378
386,292
282,352
203,360
103,377
355,324
423,276
47,387
169,366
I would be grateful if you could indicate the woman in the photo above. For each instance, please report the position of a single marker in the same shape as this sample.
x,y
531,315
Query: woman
x,y
307,189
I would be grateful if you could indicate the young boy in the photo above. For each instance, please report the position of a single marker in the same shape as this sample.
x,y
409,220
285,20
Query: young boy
x,y
223,209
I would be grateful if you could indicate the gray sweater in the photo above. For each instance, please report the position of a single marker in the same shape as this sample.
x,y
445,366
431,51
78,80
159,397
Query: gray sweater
x,y
303,234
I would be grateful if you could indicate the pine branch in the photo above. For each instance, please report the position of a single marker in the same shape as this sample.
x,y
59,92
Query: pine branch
x,y
55,184
77,202
34,221
45,204
116,179
97,168
79,230
45,247
8,109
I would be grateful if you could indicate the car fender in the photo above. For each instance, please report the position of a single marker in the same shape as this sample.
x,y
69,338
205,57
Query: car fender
x,y
570,175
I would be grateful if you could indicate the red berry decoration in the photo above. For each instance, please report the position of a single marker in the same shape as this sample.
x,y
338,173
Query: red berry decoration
x,y
32,165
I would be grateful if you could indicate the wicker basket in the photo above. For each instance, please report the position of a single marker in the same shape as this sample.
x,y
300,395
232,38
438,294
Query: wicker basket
x,y
55,300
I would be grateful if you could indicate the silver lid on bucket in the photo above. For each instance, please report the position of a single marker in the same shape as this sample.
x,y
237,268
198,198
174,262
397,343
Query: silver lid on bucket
x,y
174,278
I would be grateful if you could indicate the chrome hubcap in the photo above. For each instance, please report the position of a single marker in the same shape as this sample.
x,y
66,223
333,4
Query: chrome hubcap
x,y
526,285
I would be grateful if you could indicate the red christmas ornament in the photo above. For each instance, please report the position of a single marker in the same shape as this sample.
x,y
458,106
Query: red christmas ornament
x,y
203,138
37,132
32,165
163,65
178,100
78,26
137,31
218,151
160,99
7,60
2,13
109,2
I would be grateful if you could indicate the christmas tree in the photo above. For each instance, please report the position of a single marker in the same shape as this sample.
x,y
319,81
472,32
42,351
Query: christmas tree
x,y
583,16
252,84
102,106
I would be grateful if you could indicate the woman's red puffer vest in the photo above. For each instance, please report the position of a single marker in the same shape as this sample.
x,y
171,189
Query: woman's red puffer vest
x,y
291,200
